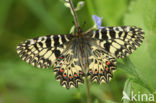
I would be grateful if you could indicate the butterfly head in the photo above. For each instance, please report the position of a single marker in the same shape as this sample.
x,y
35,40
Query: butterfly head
x,y
79,32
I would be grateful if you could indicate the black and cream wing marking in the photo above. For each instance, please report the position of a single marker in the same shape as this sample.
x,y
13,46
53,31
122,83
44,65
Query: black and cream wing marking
x,y
91,61
68,69
92,55
101,66
119,41
41,52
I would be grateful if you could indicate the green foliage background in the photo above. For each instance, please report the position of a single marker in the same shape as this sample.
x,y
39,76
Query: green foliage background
x,y
24,19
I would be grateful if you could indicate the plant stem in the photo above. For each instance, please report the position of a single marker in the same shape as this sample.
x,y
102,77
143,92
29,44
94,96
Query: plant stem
x,y
75,16
88,91
78,30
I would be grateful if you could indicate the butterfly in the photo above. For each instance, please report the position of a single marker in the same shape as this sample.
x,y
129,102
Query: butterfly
x,y
92,54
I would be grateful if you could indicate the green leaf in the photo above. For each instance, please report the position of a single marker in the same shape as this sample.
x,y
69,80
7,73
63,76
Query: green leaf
x,y
112,11
20,81
110,101
5,6
142,13
96,101
38,9
127,89
130,68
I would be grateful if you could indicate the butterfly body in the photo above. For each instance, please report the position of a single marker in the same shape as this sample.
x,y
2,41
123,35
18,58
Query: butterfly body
x,y
74,57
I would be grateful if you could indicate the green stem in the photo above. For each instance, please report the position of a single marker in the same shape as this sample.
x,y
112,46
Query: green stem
x,y
74,15
88,91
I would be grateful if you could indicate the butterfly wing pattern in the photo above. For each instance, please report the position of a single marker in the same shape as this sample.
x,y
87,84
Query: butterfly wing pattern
x,y
68,69
101,66
119,41
92,55
42,51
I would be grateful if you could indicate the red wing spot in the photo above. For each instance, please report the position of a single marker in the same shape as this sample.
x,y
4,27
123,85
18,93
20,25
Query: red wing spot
x,y
61,70
90,71
64,75
96,71
107,63
106,68
61,57
80,72
70,76
75,75
101,71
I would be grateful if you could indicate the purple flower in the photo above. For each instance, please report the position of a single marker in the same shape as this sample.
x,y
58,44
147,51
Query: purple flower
x,y
98,21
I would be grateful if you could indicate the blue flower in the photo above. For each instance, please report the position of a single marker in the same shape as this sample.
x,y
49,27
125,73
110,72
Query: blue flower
x,y
98,21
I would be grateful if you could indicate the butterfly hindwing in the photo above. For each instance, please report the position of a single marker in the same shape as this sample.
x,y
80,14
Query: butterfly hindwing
x,y
91,61
41,52
102,65
68,70
119,41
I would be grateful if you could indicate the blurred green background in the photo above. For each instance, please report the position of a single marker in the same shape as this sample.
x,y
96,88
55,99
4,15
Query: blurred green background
x,y
24,19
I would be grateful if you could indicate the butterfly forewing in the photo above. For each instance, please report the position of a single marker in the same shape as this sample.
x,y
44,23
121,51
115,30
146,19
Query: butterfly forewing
x,y
119,41
41,52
